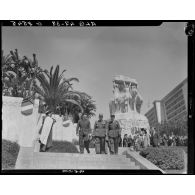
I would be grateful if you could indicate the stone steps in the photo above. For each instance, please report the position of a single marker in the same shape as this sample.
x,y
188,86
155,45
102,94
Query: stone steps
x,y
81,161
78,161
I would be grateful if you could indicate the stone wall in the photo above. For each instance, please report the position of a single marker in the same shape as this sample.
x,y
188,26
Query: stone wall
x,y
23,129
63,132
16,126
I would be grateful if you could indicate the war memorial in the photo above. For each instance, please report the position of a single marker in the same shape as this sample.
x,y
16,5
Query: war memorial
x,y
126,105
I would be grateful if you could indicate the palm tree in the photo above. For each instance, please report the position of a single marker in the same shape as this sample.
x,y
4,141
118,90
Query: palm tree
x,y
55,90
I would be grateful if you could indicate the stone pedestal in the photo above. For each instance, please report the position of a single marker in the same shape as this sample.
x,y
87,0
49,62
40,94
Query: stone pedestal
x,y
131,122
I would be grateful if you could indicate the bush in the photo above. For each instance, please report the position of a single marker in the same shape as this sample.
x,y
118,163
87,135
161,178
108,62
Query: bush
x,y
63,147
9,154
165,157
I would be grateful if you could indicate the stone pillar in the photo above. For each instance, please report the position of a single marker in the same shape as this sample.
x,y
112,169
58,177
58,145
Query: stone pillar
x,y
157,106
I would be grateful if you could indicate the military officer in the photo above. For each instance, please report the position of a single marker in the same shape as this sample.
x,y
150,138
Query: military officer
x,y
99,134
114,133
83,130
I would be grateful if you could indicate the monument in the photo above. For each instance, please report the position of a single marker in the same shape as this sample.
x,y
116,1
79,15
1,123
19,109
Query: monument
x,y
126,105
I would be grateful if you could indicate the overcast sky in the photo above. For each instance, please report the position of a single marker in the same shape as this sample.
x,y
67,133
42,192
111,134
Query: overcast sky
x,y
155,56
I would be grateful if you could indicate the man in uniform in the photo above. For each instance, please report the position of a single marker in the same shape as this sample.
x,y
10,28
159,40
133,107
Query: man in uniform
x,y
114,133
83,130
99,134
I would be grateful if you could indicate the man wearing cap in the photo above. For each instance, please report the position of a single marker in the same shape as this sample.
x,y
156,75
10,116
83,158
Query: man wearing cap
x,y
114,132
83,130
46,132
99,134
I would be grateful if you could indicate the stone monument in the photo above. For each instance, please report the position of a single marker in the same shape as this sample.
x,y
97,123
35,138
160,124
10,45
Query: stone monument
x,y
126,105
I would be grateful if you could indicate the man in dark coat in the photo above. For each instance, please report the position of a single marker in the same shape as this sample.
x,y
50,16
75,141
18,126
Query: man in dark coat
x,y
125,141
114,133
155,138
83,130
99,134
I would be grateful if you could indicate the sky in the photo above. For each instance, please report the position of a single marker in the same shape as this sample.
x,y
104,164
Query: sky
x,y
155,56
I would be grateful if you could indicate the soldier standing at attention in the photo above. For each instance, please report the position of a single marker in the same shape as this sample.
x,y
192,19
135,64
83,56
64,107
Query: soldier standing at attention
x,y
114,133
100,135
83,130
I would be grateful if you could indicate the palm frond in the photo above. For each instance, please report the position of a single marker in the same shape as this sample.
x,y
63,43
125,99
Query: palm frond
x,y
55,83
39,91
44,83
74,102
71,79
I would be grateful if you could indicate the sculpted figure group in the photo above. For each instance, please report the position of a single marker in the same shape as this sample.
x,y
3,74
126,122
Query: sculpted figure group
x,y
126,96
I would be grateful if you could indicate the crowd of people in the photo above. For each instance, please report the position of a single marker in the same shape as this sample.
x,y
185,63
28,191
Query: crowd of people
x,y
137,141
173,140
144,139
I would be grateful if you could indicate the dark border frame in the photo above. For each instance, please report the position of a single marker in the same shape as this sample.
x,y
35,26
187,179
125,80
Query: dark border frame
x,y
189,30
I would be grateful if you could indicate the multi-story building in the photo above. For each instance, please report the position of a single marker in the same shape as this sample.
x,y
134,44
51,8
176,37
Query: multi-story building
x,y
172,107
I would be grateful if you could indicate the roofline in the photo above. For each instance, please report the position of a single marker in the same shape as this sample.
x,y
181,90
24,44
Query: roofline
x,y
180,84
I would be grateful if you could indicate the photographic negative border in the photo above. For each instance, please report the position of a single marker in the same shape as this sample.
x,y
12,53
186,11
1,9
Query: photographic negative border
x,y
188,29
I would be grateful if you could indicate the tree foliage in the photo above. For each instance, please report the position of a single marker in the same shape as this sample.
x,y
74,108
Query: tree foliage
x,y
179,127
87,103
19,74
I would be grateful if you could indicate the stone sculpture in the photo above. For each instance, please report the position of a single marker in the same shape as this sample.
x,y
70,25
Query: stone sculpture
x,y
126,104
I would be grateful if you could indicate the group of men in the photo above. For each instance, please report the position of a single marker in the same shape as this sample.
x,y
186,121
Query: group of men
x,y
105,134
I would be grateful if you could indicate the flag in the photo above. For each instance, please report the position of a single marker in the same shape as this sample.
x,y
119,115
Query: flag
x,y
27,106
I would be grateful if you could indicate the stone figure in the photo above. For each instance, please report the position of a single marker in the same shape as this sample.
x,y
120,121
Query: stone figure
x,y
116,93
135,102
126,97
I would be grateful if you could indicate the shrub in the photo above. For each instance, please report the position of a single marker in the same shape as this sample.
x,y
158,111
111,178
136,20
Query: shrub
x,y
63,147
165,157
9,154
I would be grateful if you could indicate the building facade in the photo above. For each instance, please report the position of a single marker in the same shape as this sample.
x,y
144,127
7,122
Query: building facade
x,y
172,107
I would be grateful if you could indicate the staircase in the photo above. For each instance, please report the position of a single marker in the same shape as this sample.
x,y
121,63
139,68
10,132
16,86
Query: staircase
x,y
81,161
28,159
